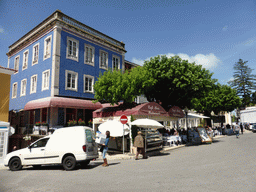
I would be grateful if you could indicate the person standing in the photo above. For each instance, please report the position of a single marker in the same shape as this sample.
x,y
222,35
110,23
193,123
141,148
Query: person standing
x,y
105,149
139,143
242,128
237,129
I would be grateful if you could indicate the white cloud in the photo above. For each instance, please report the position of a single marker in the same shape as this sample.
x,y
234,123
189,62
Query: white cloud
x,y
208,61
1,29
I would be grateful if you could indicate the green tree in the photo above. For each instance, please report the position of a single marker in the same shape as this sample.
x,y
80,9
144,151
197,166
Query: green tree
x,y
219,98
253,98
176,81
244,81
115,86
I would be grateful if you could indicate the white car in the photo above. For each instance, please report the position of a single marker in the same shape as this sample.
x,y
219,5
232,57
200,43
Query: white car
x,y
66,146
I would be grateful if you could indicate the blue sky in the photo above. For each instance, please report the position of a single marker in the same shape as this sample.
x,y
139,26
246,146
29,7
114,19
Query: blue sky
x,y
213,33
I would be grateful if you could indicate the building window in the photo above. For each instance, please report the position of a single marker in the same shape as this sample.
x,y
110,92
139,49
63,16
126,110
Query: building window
x,y
88,83
14,90
17,63
71,80
35,54
25,60
45,80
47,47
72,48
33,84
115,62
23,87
89,54
103,59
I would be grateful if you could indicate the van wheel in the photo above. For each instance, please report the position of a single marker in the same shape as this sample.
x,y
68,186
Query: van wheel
x,y
69,163
15,164
84,163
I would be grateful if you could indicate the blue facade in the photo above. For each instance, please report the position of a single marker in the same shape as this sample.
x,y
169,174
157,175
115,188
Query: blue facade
x,y
81,68
20,101
65,64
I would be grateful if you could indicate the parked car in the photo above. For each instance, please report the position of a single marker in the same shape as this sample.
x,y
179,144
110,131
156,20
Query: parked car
x,y
251,125
66,146
254,128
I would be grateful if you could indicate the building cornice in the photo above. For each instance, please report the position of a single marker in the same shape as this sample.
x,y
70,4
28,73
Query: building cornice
x,y
7,71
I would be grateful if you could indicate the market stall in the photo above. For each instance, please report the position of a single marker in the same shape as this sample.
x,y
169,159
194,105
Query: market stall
x,y
151,111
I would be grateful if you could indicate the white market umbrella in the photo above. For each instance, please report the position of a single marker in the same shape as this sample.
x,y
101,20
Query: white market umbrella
x,y
147,123
114,127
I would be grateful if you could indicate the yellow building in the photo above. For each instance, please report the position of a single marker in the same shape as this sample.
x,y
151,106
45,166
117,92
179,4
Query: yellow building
x,y
5,78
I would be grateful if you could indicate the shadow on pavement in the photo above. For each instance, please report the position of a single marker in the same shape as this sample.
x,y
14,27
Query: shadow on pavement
x,y
157,154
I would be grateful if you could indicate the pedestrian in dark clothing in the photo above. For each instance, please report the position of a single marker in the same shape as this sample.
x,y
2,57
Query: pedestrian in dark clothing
x,y
139,143
242,128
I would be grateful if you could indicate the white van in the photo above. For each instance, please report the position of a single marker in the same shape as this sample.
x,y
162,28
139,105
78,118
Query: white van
x,y
66,146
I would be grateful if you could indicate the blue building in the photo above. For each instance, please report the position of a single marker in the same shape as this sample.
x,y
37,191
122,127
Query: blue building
x,y
57,64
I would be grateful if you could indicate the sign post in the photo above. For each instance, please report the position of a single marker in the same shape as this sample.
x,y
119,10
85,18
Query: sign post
x,y
123,120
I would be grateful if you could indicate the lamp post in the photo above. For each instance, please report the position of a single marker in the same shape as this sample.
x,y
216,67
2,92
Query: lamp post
x,y
186,112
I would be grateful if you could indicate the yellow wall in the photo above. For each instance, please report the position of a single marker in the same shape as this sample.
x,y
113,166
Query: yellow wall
x,y
4,96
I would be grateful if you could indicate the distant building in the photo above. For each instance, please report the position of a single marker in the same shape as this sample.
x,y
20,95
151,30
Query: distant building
x,y
5,76
57,64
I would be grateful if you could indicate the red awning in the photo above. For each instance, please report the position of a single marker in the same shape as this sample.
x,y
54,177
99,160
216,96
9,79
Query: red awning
x,y
151,108
62,102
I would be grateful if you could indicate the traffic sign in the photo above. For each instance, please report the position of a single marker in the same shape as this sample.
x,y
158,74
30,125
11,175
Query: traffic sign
x,y
123,119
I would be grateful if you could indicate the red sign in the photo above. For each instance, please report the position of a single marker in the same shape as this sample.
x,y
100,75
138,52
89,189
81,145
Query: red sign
x,y
123,119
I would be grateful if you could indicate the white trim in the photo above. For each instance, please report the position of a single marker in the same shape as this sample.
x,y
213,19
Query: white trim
x,y
15,83
46,88
66,80
72,57
34,85
15,63
33,55
93,54
48,54
102,67
27,51
115,56
21,87
91,77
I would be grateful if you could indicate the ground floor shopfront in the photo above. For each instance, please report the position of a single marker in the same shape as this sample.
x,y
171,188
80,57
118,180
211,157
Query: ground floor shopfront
x,y
149,110
48,113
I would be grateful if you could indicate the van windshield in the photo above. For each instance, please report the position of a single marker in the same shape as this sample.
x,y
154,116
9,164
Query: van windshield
x,y
89,136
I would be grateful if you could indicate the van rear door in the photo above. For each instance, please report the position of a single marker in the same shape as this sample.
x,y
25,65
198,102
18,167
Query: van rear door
x,y
91,146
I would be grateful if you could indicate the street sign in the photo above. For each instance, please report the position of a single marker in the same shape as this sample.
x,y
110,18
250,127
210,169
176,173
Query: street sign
x,y
123,119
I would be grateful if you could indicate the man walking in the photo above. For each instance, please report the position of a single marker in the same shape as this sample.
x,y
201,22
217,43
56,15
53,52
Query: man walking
x,y
139,143
242,128
237,129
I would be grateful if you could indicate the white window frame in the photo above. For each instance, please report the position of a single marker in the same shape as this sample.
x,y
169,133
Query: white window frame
x,y
43,78
103,67
72,57
16,64
33,57
14,91
91,77
93,54
47,54
21,87
115,57
31,83
76,81
23,66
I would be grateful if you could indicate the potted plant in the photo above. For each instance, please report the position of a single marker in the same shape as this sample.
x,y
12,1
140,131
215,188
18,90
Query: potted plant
x,y
90,123
81,122
72,122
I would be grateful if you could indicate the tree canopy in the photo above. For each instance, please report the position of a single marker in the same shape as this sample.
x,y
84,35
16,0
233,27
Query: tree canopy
x,y
244,81
219,98
115,86
176,81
